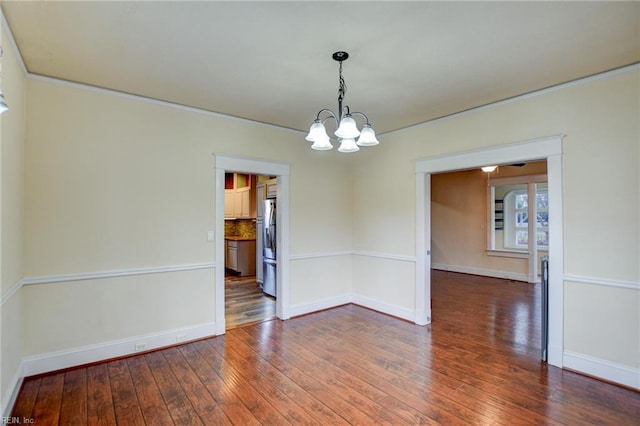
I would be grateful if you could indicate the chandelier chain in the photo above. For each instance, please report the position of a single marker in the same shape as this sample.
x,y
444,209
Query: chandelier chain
x,y
342,85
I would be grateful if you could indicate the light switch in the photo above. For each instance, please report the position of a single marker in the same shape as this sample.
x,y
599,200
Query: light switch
x,y
210,236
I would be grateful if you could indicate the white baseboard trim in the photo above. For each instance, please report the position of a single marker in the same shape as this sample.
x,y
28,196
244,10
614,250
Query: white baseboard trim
x,y
102,351
9,399
385,308
395,311
607,370
480,271
319,305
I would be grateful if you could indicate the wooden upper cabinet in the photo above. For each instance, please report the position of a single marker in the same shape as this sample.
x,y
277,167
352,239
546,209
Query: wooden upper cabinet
x,y
240,196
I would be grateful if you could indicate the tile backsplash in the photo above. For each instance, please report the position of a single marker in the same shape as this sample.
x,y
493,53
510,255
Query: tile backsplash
x,y
240,228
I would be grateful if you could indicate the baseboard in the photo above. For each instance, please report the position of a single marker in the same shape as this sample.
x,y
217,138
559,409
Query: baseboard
x,y
385,308
9,399
102,351
480,271
320,305
607,370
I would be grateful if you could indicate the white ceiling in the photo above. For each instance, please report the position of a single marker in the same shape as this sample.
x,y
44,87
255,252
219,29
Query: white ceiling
x,y
409,62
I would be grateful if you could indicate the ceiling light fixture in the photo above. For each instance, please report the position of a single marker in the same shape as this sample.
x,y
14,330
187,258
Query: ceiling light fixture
x,y
347,131
489,169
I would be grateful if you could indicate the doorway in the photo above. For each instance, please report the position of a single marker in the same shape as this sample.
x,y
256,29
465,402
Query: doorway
x,y
480,231
247,298
538,149
224,164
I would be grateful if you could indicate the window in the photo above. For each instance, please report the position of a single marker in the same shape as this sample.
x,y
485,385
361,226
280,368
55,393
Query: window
x,y
516,218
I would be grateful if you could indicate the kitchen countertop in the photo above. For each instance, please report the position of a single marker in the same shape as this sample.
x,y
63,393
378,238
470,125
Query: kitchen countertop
x,y
238,238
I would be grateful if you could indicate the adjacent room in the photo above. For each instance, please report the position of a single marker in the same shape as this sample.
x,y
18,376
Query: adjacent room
x,y
227,212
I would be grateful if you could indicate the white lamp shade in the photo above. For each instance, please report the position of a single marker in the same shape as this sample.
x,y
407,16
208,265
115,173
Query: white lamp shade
x,y
489,169
317,132
367,136
348,145
322,144
347,128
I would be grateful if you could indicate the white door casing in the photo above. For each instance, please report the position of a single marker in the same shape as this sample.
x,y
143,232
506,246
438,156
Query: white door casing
x,y
222,164
549,148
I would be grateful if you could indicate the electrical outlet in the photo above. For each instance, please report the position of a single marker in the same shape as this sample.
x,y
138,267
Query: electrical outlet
x,y
210,236
181,338
141,346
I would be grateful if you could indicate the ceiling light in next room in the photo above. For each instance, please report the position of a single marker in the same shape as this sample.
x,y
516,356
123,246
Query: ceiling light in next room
x,y
347,131
489,169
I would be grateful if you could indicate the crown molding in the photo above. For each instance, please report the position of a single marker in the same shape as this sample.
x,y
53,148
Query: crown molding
x,y
535,93
140,98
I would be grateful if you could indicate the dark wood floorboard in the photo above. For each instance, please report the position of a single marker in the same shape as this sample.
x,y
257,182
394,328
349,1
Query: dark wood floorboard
x,y
478,363
245,303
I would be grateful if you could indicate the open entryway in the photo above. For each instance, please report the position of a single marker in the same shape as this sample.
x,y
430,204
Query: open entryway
x,y
250,234
236,264
483,254
549,149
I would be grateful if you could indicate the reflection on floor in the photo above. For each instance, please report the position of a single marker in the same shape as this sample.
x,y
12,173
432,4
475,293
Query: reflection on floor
x,y
245,303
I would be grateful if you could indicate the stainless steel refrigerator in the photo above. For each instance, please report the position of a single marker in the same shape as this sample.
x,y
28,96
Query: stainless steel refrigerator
x,y
269,254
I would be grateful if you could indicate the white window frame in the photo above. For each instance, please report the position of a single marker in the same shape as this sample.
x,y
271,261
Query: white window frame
x,y
511,224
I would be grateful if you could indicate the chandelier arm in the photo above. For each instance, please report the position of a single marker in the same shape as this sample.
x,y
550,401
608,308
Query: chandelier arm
x,y
331,114
366,119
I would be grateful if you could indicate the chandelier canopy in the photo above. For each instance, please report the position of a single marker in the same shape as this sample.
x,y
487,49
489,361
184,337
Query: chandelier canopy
x,y
347,130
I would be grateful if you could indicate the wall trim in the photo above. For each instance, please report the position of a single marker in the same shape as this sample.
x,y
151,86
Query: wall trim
x,y
366,302
320,305
319,255
385,308
530,149
13,290
9,399
535,93
52,279
597,367
66,358
480,271
389,256
633,285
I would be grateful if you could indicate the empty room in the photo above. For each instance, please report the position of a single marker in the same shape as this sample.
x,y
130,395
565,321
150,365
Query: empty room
x,y
436,203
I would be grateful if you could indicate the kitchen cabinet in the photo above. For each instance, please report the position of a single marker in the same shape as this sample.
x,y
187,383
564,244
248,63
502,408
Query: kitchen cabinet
x,y
240,255
272,188
239,196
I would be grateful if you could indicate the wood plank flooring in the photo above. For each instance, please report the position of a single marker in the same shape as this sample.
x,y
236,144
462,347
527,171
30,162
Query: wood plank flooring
x,y
476,364
245,303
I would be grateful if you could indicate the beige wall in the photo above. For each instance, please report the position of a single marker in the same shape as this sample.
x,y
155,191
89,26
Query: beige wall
x,y
11,230
115,184
459,222
600,198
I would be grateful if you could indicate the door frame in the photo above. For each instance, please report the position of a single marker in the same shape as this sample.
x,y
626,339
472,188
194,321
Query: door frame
x,y
549,148
227,163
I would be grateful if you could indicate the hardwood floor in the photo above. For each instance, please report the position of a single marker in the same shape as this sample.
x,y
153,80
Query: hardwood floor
x,y
476,364
245,303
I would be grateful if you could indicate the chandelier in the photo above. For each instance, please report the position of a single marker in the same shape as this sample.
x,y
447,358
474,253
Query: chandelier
x,y
347,131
